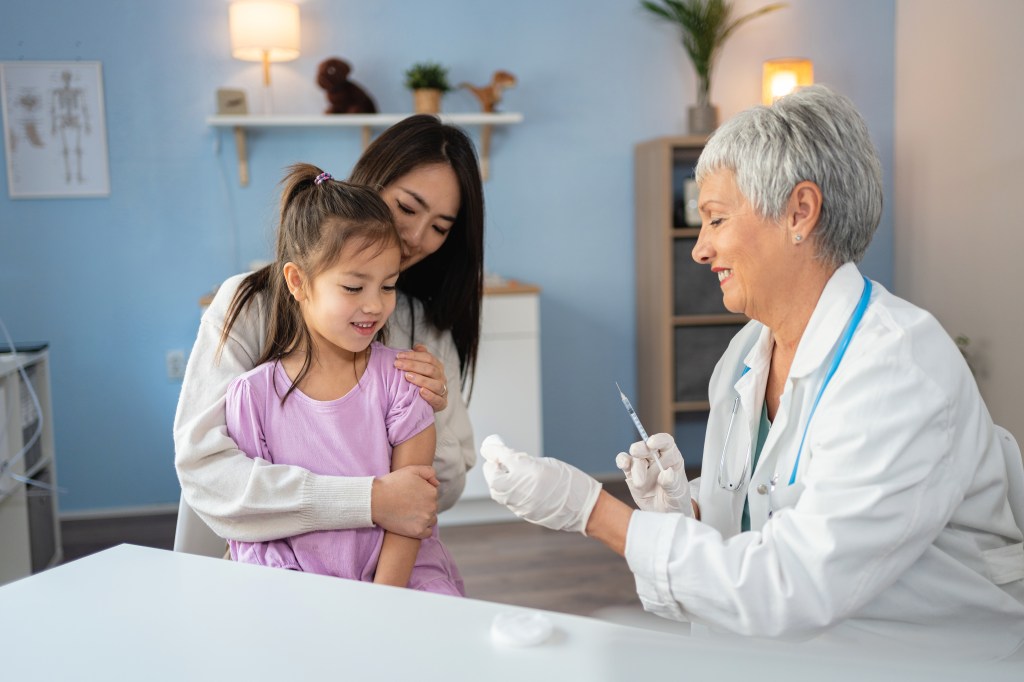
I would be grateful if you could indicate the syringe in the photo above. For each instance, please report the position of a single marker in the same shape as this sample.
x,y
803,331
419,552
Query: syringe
x,y
636,421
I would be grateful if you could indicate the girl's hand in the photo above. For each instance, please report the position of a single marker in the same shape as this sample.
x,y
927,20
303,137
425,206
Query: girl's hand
x,y
424,370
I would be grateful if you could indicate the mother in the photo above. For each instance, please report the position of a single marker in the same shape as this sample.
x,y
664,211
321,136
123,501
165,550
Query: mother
x,y
854,487
428,175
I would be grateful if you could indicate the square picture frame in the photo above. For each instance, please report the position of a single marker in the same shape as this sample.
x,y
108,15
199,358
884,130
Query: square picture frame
x,y
55,129
231,102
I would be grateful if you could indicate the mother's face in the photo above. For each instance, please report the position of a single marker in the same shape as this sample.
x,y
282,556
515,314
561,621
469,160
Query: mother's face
x,y
424,203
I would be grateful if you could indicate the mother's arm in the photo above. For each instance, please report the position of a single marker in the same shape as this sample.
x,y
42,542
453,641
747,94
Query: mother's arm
x,y
455,453
253,500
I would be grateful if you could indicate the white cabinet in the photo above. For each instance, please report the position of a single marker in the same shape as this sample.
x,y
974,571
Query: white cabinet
x,y
506,391
29,528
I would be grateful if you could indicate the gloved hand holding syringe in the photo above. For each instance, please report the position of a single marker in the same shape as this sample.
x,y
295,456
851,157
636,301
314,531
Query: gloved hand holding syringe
x,y
664,491
636,421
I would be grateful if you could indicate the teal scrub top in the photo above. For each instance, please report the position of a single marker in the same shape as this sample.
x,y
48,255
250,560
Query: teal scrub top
x,y
762,436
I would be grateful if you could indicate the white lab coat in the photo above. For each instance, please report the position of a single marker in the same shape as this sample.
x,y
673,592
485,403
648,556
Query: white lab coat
x,y
898,529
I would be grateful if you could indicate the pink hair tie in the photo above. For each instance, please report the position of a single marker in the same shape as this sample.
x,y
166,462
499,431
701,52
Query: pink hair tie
x,y
320,178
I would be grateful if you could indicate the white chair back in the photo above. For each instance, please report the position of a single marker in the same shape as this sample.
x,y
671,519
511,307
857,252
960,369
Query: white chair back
x,y
193,536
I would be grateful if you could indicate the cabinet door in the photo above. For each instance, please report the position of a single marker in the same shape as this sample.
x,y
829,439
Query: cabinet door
x,y
695,289
506,388
697,350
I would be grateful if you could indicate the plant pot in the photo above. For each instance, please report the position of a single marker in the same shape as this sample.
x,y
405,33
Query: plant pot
x,y
426,101
701,119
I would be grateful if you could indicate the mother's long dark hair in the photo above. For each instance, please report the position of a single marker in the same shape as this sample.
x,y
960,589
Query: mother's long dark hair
x,y
449,282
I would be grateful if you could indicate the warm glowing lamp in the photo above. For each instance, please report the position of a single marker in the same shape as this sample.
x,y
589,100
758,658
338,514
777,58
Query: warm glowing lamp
x,y
782,76
264,31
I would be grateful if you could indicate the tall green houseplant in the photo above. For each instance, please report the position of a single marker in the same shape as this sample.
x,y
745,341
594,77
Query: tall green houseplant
x,y
704,25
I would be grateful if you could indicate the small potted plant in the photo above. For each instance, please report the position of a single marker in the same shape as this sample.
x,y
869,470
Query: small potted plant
x,y
428,82
704,26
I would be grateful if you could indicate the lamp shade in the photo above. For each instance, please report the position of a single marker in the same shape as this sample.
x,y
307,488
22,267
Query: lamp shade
x,y
782,76
264,30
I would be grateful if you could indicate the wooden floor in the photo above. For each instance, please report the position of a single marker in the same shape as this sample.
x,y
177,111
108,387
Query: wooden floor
x,y
509,563
518,563
84,537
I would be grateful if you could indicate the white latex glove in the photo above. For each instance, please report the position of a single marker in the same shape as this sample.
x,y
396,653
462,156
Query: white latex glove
x,y
544,491
652,488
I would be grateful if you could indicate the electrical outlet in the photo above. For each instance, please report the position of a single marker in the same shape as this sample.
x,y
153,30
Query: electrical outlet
x,y
176,365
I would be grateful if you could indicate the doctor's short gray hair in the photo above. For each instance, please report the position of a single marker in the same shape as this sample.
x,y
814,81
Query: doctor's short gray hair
x,y
813,134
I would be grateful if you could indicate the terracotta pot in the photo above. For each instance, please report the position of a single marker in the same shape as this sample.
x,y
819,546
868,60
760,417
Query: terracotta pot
x,y
426,101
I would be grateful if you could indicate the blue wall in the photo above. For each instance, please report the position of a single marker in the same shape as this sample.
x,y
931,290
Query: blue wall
x,y
113,283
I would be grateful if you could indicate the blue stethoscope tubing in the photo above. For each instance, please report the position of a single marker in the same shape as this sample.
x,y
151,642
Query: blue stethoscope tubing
x,y
844,342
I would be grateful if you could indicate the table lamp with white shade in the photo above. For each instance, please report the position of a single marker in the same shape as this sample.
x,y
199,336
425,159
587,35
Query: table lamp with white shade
x,y
264,31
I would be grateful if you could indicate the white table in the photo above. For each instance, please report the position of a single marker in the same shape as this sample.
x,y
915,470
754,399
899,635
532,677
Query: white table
x,y
134,613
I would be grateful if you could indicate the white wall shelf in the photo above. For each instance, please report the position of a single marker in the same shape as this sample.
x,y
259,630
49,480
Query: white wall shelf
x,y
366,122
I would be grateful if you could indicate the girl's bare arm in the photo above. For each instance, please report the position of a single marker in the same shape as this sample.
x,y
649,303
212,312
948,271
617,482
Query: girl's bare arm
x,y
398,553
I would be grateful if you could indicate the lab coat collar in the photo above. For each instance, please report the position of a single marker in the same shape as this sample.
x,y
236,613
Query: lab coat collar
x,y
834,309
759,356
750,386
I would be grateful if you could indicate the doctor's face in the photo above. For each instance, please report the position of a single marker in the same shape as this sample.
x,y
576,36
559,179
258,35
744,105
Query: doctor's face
x,y
746,252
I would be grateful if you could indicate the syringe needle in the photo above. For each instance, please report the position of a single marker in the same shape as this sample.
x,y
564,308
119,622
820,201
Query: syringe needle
x,y
636,422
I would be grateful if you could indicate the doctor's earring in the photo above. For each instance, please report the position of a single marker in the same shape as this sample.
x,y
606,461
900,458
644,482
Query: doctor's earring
x,y
798,238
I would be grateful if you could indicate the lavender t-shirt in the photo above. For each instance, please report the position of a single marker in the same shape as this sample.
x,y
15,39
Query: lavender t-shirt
x,y
350,436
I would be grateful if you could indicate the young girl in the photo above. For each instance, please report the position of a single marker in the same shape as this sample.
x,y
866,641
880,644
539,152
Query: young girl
x,y
326,395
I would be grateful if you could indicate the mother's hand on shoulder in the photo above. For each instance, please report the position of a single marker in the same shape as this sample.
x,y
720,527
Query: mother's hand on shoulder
x,y
427,372
405,501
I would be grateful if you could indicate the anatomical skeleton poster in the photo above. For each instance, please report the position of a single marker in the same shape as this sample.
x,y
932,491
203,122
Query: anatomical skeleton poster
x,y
55,131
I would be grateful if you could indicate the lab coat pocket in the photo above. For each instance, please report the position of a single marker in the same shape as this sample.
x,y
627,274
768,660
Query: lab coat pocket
x,y
1005,564
783,496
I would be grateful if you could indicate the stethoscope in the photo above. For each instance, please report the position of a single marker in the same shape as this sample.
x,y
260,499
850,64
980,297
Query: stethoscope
x,y
844,342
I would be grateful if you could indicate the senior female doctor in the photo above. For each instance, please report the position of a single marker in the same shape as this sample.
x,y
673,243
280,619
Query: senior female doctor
x,y
854,488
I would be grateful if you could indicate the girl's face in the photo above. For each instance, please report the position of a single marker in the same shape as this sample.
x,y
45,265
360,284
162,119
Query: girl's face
x,y
348,303
424,202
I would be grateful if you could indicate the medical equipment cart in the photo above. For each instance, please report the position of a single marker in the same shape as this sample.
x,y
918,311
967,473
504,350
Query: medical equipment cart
x,y
29,526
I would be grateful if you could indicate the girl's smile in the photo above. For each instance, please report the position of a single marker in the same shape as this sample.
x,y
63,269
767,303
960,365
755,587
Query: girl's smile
x,y
366,328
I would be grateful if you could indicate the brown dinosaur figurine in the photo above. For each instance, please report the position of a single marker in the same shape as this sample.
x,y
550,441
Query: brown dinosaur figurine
x,y
490,94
